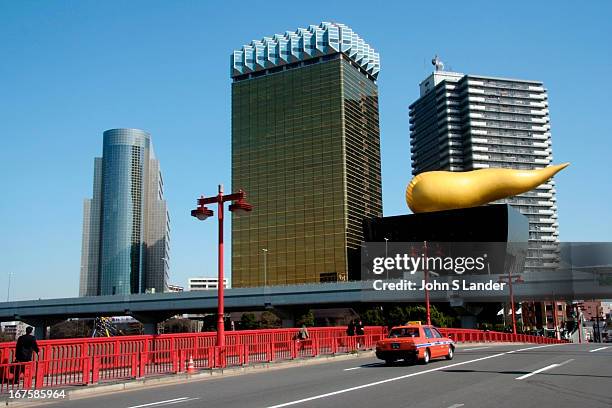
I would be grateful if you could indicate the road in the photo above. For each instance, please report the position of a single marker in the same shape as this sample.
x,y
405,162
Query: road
x,y
513,376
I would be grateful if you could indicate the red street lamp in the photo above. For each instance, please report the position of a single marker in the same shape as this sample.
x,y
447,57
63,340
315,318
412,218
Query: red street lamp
x,y
517,279
240,206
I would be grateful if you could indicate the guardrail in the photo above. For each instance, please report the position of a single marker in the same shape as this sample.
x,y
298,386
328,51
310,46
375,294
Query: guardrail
x,y
64,363
65,372
103,346
469,335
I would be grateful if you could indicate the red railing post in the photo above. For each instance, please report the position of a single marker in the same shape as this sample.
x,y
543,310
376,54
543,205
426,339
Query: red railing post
x,y
211,357
270,352
27,376
293,345
41,367
175,362
245,350
134,365
222,356
86,370
95,370
143,365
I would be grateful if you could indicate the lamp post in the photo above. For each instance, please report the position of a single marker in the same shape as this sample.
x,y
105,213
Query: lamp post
x,y
555,318
239,205
8,290
386,254
518,279
265,256
512,301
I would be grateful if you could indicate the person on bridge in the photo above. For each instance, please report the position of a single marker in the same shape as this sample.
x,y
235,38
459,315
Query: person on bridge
x,y
303,333
26,345
350,330
360,332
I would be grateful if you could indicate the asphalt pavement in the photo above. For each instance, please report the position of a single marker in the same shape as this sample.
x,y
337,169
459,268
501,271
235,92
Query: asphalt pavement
x,y
568,375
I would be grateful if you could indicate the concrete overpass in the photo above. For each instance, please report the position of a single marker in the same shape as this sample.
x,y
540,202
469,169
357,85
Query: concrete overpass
x,y
151,309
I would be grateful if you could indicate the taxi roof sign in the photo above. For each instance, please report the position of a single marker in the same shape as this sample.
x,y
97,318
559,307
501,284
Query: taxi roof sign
x,y
414,323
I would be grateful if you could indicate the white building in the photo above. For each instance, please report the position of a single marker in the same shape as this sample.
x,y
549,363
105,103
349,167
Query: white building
x,y
175,288
467,122
205,283
14,329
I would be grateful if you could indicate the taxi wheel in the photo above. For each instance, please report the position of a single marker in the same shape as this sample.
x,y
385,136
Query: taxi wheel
x,y
451,353
426,357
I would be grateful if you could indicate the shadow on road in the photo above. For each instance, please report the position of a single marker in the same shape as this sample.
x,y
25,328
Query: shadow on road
x,y
524,372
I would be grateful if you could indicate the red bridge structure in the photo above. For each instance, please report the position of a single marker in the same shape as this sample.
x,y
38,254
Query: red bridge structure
x,y
84,361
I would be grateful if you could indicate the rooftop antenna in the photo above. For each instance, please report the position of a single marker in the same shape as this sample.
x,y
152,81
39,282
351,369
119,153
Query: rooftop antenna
x,y
437,62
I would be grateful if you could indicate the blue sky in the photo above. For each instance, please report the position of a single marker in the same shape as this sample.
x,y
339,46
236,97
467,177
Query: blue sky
x,y
71,69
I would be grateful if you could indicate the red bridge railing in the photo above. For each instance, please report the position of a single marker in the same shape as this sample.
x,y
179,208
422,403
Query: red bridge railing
x,y
68,362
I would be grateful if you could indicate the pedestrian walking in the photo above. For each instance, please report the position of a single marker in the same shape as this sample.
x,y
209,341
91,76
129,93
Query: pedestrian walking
x,y
303,333
360,332
24,349
350,330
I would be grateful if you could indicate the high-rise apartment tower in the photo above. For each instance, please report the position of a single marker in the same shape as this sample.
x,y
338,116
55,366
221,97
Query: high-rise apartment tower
x,y
467,122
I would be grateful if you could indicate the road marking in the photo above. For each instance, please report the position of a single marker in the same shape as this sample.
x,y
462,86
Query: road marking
x,y
599,349
401,377
166,402
349,369
185,400
522,377
475,348
178,402
536,347
456,405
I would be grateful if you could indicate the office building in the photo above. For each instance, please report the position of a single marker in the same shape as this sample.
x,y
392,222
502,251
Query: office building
x,y
467,122
206,283
175,288
306,150
125,245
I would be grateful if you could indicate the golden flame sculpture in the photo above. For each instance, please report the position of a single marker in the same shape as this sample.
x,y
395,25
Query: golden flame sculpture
x,y
447,190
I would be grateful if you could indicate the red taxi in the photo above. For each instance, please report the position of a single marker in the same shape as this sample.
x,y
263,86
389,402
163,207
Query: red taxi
x,y
414,342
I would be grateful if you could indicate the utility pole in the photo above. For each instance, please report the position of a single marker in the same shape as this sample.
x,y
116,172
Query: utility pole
x,y
8,290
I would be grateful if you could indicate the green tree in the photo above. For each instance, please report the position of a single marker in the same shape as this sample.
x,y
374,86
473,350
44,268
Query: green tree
x,y
306,319
396,316
269,320
373,317
248,321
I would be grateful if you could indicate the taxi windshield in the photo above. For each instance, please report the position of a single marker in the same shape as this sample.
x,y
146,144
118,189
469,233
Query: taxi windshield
x,y
405,332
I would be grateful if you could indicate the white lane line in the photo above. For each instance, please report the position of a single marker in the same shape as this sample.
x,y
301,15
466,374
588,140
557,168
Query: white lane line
x,y
599,349
179,402
535,347
166,402
401,377
522,377
456,405
353,368
475,348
